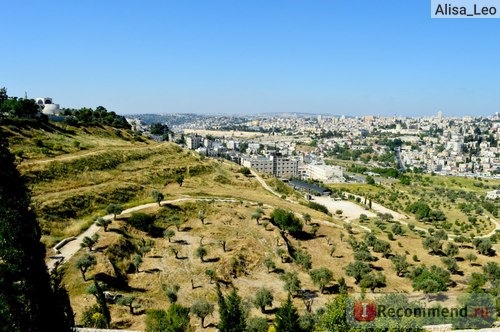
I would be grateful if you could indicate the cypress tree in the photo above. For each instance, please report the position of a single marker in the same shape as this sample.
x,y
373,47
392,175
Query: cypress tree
x,y
231,312
28,301
287,318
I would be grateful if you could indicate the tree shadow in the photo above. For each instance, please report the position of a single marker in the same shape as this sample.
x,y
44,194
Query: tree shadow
x,y
185,229
156,256
121,232
334,289
376,268
100,249
212,260
303,236
182,242
171,207
271,311
154,270
111,281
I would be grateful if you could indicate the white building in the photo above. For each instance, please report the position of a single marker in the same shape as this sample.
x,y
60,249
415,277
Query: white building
x,y
494,194
49,108
323,172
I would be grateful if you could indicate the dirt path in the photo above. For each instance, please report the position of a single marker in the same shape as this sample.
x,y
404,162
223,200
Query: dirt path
x,y
65,253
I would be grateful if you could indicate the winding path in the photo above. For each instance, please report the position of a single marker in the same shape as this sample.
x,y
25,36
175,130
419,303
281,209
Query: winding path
x,y
68,250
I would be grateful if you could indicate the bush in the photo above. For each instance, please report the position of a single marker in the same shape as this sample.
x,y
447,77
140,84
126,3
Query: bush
x,y
318,207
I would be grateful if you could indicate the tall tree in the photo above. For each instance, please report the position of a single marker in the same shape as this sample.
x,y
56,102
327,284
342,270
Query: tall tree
x,y
287,318
231,313
28,301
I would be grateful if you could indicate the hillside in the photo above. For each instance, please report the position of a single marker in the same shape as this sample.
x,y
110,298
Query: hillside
x,y
75,173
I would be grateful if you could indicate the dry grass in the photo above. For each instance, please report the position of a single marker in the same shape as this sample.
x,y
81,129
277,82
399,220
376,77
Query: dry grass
x,y
231,222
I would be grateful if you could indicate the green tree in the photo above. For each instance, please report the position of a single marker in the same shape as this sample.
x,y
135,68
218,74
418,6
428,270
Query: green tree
x,y
451,249
450,263
232,317
201,309
286,221
157,196
400,265
93,317
357,270
476,282
303,258
169,234
97,290
158,129
370,180
175,319
269,264
127,301
137,261
431,280
171,292
307,218
397,229
201,252
433,243
257,324
84,263
263,298
382,247
334,318
287,318
257,215
292,282
471,257
372,280
28,301
176,222
104,223
321,277
314,229
483,246
492,271
114,209
89,241
202,215
179,179
211,274
282,253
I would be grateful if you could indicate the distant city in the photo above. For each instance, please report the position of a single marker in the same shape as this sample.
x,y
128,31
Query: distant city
x,y
326,148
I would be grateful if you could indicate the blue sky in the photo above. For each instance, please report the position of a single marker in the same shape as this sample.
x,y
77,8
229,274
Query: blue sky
x,y
250,56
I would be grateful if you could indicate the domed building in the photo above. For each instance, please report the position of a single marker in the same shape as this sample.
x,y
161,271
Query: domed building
x,y
47,106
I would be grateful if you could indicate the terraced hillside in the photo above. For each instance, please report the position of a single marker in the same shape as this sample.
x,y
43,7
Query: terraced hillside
x,y
228,228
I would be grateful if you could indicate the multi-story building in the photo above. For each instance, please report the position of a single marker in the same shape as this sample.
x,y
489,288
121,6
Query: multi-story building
x,y
276,165
194,141
323,172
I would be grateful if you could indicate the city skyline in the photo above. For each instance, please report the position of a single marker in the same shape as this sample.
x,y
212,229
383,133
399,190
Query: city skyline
x,y
340,58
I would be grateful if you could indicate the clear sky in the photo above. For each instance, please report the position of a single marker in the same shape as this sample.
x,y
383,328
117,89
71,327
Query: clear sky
x,y
250,56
